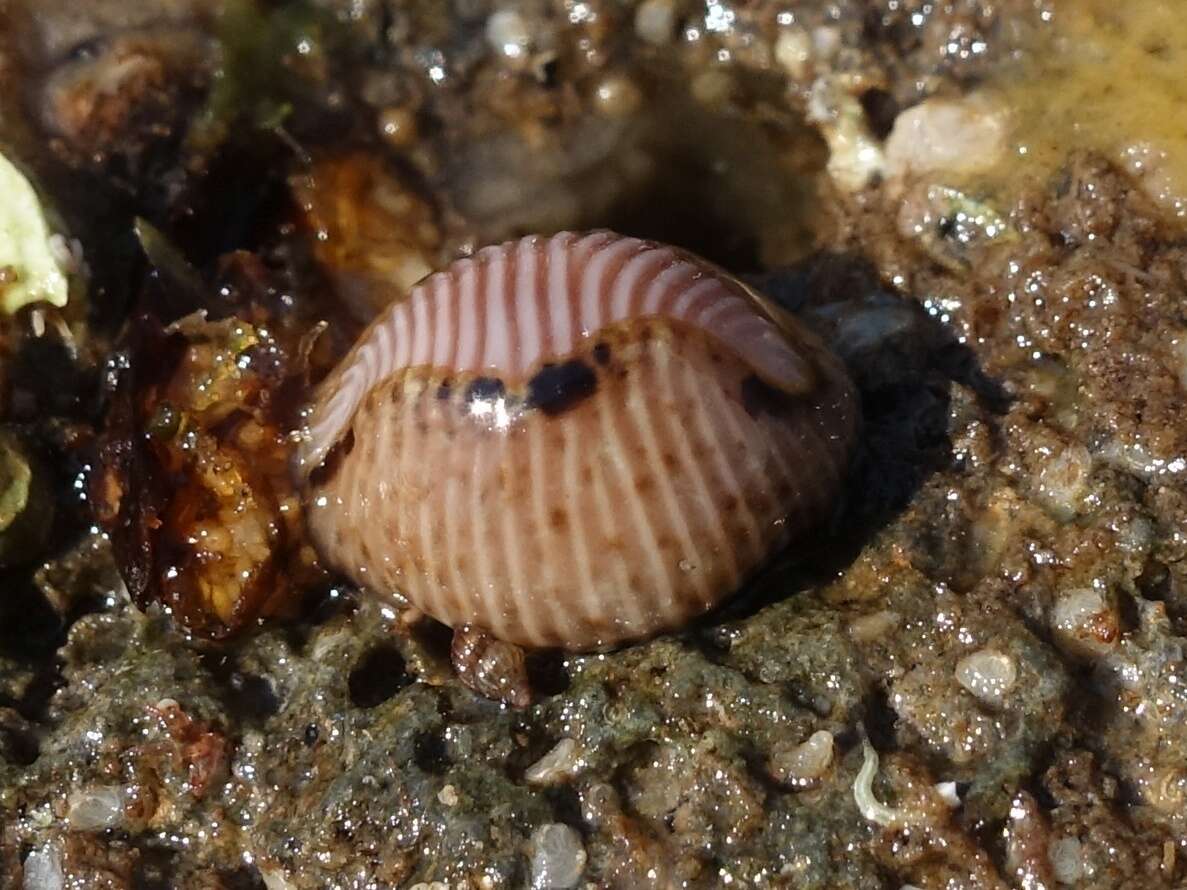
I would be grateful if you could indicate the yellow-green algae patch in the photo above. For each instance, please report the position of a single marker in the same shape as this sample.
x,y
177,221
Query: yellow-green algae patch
x,y
1108,77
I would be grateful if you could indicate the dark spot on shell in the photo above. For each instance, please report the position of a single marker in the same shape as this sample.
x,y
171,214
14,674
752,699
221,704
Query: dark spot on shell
x,y
601,353
559,519
378,676
485,389
445,390
557,388
759,397
328,468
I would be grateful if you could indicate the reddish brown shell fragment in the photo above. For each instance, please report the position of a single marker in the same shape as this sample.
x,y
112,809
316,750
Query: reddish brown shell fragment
x,y
574,441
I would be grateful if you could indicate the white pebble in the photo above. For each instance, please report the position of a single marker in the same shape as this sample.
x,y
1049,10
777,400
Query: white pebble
x,y
557,765
793,52
508,34
948,793
964,136
274,878
558,857
1063,480
826,42
43,868
448,796
874,626
96,808
988,674
809,760
655,21
1067,859
855,156
1084,623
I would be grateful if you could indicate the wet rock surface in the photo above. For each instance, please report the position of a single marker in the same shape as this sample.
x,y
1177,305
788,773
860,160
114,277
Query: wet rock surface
x,y
995,613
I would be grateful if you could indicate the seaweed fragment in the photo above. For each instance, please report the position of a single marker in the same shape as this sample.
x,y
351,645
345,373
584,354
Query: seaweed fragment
x,y
192,478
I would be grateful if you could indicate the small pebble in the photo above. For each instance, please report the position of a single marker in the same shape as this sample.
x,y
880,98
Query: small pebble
x,y
558,857
713,88
557,765
988,674
96,808
1067,859
508,34
793,52
43,868
274,878
874,626
826,42
948,793
448,796
617,96
655,21
965,136
1084,623
1063,480
808,761
397,126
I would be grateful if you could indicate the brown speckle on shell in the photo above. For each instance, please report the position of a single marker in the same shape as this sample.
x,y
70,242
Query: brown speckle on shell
x,y
574,441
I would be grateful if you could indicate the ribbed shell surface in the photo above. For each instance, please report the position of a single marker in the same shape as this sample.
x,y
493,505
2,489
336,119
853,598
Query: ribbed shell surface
x,y
574,441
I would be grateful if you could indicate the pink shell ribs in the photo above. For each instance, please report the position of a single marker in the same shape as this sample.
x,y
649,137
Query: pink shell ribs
x,y
574,441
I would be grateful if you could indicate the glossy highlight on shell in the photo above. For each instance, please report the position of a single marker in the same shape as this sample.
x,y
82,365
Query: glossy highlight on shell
x,y
574,441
